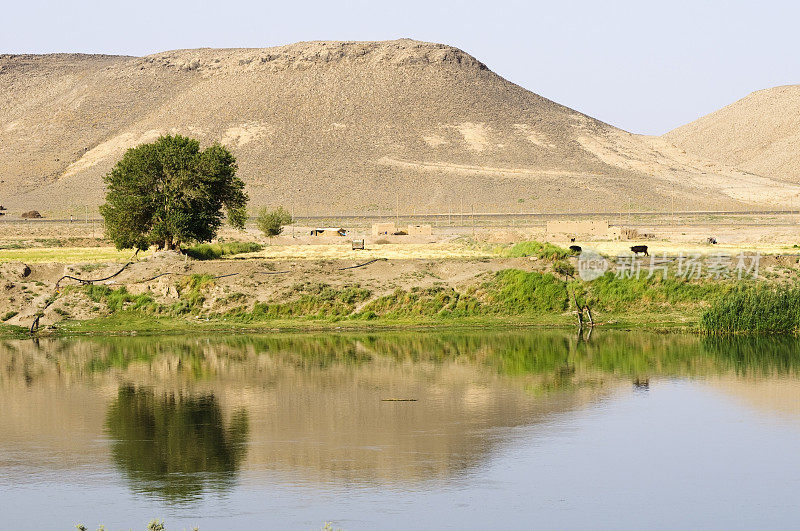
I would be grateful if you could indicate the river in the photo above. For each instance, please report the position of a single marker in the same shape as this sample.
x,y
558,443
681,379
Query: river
x,y
400,430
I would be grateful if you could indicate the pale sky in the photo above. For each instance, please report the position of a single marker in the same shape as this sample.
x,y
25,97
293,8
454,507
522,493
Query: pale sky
x,y
646,67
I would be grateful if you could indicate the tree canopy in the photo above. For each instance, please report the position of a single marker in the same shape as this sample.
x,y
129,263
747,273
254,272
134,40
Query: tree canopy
x,y
169,191
271,222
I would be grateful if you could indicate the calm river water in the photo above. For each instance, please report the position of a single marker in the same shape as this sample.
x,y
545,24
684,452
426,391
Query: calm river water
x,y
466,430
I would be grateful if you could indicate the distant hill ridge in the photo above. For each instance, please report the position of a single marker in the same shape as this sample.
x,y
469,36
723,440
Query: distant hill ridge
x,y
759,133
304,55
343,127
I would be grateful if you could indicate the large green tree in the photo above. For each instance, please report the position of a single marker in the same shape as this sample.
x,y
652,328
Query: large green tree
x,y
169,192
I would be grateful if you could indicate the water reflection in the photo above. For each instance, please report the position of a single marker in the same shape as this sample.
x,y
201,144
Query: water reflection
x,y
756,356
174,445
185,416
558,355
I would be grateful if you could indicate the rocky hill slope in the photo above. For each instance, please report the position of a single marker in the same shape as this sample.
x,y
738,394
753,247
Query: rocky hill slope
x,y
342,127
759,133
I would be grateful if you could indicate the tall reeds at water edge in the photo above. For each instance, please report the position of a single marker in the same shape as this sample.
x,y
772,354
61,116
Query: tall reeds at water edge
x,y
754,310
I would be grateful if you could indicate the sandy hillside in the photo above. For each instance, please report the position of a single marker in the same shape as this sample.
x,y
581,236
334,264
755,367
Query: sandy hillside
x,y
759,133
343,127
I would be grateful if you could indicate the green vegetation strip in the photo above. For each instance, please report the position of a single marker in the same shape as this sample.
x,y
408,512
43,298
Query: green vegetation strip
x,y
544,251
213,251
715,307
761,309
508,295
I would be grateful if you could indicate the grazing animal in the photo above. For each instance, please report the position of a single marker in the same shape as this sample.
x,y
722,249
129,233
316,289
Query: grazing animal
x,y
636,249
712,240
575,249
572,240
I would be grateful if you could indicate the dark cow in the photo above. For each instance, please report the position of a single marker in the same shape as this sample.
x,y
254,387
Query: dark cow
x,y
636,249
575,249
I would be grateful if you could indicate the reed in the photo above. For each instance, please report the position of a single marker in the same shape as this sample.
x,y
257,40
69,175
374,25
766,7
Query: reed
x,y
760,309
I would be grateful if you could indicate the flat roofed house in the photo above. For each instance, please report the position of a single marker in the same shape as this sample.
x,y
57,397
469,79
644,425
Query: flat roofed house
x,y
380,229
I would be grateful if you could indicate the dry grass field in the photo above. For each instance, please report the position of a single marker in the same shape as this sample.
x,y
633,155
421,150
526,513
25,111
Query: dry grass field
x,y
71,243
65,255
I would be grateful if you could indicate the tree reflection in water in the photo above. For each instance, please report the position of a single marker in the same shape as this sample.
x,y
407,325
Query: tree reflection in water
x,y
175,446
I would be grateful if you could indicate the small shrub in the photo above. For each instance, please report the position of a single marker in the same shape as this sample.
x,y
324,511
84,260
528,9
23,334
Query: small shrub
x,y
543,251
88,268
271,222
232,298
214,251
192,290
564,268
119,299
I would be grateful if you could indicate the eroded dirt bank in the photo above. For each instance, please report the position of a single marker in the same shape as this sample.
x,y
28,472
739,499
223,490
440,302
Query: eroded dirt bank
x,y
40,288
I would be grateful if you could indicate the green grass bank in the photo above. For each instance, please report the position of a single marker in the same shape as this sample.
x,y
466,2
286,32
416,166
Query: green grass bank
x,y
509,297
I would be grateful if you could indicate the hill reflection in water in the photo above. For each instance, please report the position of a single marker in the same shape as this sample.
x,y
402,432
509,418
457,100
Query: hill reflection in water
x,y
181,416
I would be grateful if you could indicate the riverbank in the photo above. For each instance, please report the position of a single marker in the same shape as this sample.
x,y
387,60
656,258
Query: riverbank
x,y
420,295
453,285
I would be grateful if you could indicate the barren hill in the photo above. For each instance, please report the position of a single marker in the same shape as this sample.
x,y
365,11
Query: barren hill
x,y
759,133
342,127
